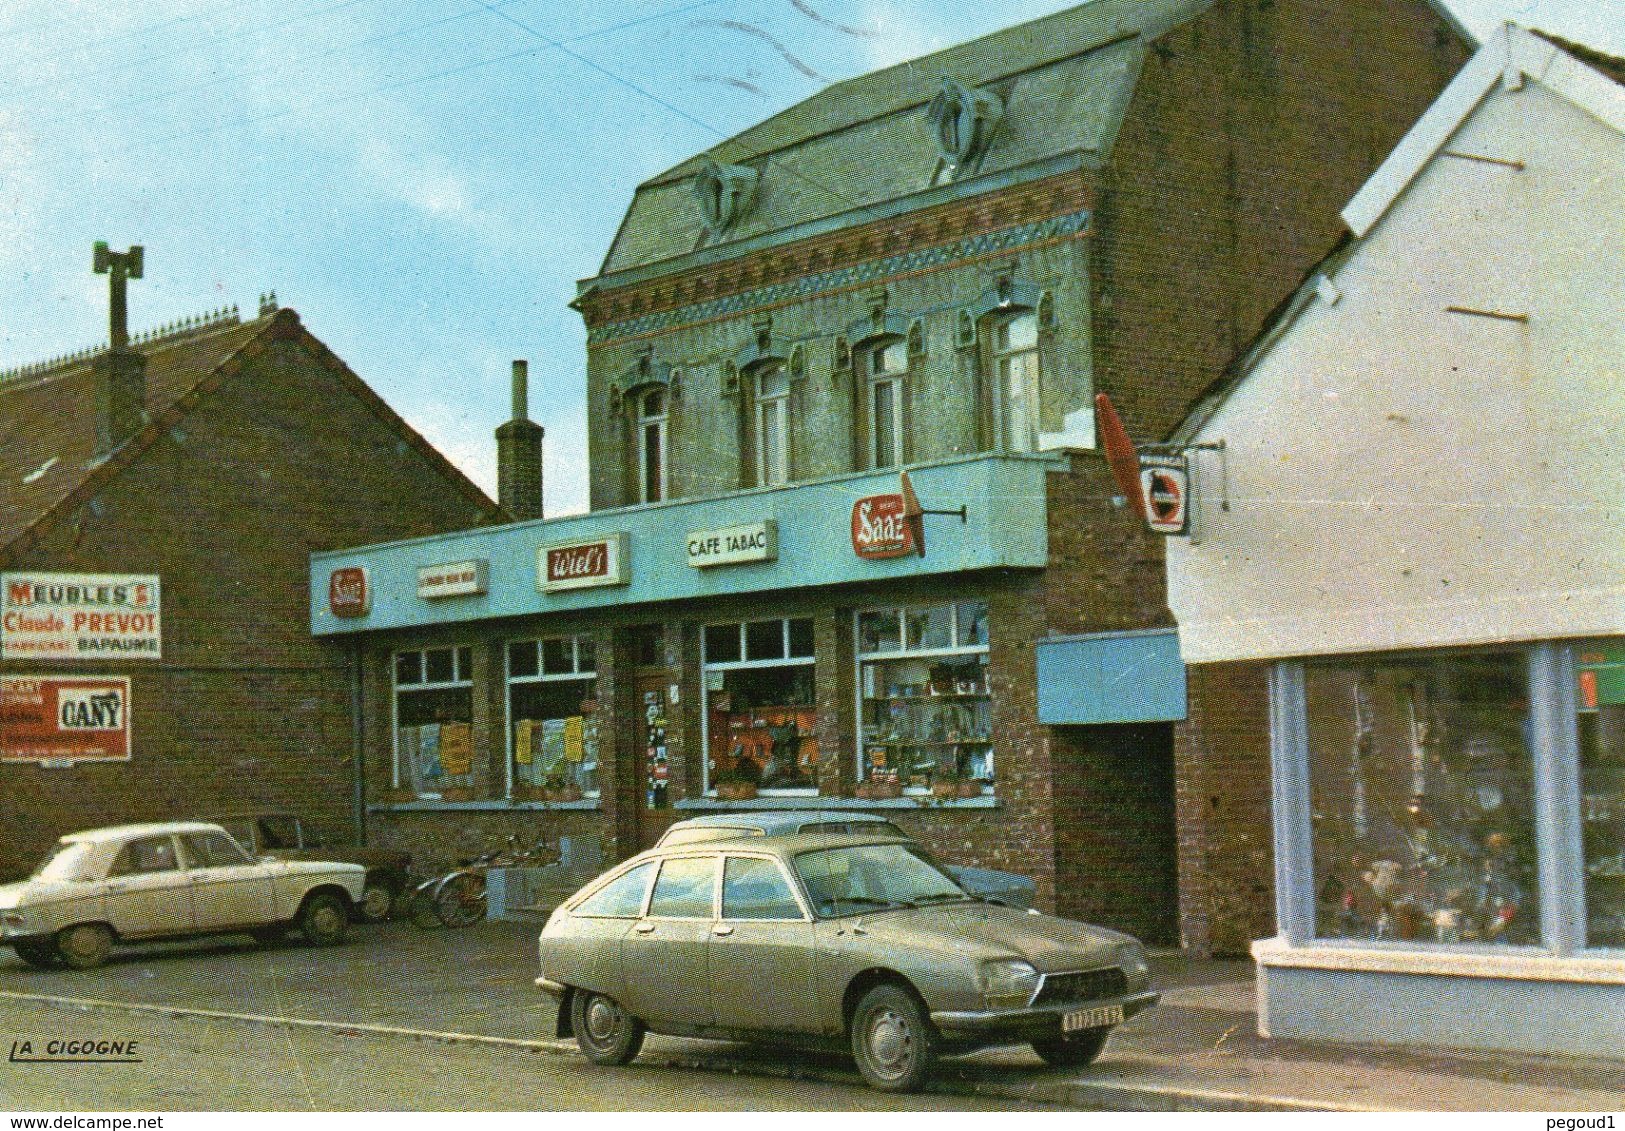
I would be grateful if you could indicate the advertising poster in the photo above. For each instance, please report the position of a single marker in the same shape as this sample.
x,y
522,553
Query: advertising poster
x,y
80,616
64,719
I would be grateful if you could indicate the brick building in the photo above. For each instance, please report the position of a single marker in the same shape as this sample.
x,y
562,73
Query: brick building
x,y
936,266
198,465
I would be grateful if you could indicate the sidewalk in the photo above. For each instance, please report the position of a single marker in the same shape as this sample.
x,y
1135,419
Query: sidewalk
x,y
1199,1050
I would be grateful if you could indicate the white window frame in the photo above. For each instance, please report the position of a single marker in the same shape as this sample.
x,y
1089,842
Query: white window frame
x,y
903,652
396,687
509,679
1005,360
706,665
776,405
875,376
657,421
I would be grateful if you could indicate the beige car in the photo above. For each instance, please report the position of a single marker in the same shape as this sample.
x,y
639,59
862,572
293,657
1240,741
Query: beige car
x,y
139,882
851,940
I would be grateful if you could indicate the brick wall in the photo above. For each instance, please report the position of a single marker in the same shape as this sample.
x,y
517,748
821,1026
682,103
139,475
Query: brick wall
x,y
1222,790
245,710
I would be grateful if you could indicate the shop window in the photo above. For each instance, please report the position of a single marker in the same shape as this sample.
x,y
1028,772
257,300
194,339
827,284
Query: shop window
x,y
1016,371
553,719
885,376
760,705
434,715
1601,728
651,432
1422,799
924,701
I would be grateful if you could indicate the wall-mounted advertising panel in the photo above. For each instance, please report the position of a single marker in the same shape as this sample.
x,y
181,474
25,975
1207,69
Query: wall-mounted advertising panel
x,y
754,542
63,720
80,616
582,565
454,579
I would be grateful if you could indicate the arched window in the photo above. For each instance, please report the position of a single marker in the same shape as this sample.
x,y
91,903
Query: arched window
x,y
885,371
651,444
1016,376
770,421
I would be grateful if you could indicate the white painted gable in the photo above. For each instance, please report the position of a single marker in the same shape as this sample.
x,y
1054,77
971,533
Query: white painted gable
x,y
1429,452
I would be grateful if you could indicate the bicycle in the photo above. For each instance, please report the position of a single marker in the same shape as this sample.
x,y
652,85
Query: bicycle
x,y
458,898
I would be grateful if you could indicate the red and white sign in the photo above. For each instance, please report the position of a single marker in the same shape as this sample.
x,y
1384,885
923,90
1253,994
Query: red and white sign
x,y
349,591
582,565
880,527
80,616
1165,490
453,579
64,719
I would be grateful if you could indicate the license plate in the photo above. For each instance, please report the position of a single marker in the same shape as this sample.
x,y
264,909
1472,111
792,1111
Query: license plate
x,y
1092,1018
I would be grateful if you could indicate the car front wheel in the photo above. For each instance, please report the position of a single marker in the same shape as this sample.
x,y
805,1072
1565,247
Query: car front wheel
x,y
376,900
84,946
1073,1051
324,919
606,1033
892,1040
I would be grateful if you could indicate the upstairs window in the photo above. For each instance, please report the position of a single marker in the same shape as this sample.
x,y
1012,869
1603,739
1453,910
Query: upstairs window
x,y
1016,372
771,420
885,366
651,444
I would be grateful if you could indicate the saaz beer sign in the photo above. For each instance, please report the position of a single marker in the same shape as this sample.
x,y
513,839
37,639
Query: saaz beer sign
x,y
881,528
349,592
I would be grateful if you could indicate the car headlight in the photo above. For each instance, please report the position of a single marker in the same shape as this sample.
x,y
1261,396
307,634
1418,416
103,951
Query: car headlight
x,y
1136,968
1006,983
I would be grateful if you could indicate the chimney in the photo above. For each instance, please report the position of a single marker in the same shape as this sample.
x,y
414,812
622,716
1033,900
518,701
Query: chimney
x,y
121,373
519,454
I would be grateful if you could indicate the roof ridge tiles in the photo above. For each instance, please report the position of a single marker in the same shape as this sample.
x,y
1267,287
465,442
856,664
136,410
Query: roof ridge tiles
x,y
224,317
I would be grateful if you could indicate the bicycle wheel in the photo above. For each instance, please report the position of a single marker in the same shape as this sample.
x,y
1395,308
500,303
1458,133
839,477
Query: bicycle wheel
x,y
460,899
421,908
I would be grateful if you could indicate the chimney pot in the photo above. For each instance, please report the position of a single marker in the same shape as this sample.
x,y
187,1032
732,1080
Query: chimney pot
x,y
521,389
519,454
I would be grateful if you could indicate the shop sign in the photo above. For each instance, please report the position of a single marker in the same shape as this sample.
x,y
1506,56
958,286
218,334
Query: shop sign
x,y
63,720
582,565
349,591
454,579
1165,490
755,542
80,616
880,527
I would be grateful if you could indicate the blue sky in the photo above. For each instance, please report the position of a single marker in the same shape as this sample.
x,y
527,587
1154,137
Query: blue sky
x,y
423,180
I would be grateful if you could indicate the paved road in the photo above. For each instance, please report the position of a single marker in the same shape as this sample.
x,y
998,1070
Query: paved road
x,y
193,1064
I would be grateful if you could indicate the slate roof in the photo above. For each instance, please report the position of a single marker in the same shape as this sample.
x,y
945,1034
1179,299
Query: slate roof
x,y
48,417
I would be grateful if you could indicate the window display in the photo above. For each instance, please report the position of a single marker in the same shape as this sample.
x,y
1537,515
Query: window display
x,y
553,719
434,714
924,700
1422,800
1601,727
760,706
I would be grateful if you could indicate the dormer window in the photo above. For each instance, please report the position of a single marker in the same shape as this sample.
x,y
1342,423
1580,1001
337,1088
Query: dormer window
x,y
962,122
1016,366
725,193
651,443
885,367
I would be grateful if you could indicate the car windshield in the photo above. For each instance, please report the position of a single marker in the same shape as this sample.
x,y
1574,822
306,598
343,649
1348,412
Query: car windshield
x,y
68,860
873,877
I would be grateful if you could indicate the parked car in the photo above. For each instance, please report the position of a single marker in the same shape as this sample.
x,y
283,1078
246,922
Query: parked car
x,y
283,836
825,939
1005,887
134,883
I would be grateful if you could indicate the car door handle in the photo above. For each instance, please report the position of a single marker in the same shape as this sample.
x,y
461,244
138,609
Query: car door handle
x,y
644,928
722,929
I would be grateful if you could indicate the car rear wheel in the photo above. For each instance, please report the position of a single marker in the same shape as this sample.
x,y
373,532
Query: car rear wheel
x,y
892,1040
376,900
40,954
1073,1051
324,919
606,1033
84,946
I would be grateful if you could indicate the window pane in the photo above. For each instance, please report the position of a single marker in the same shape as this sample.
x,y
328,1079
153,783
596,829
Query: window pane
x,y
772,442
883,423
654,402
972,618
774,382
214,850
764,640
1420,787
755,889
409,667
586,655
721,643
891,357
930,628
522,658
557,658
1020,332
439,665
1020,376
879,632
1602,789
621,898
683,890
465,663
151,854
801,636
653,454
